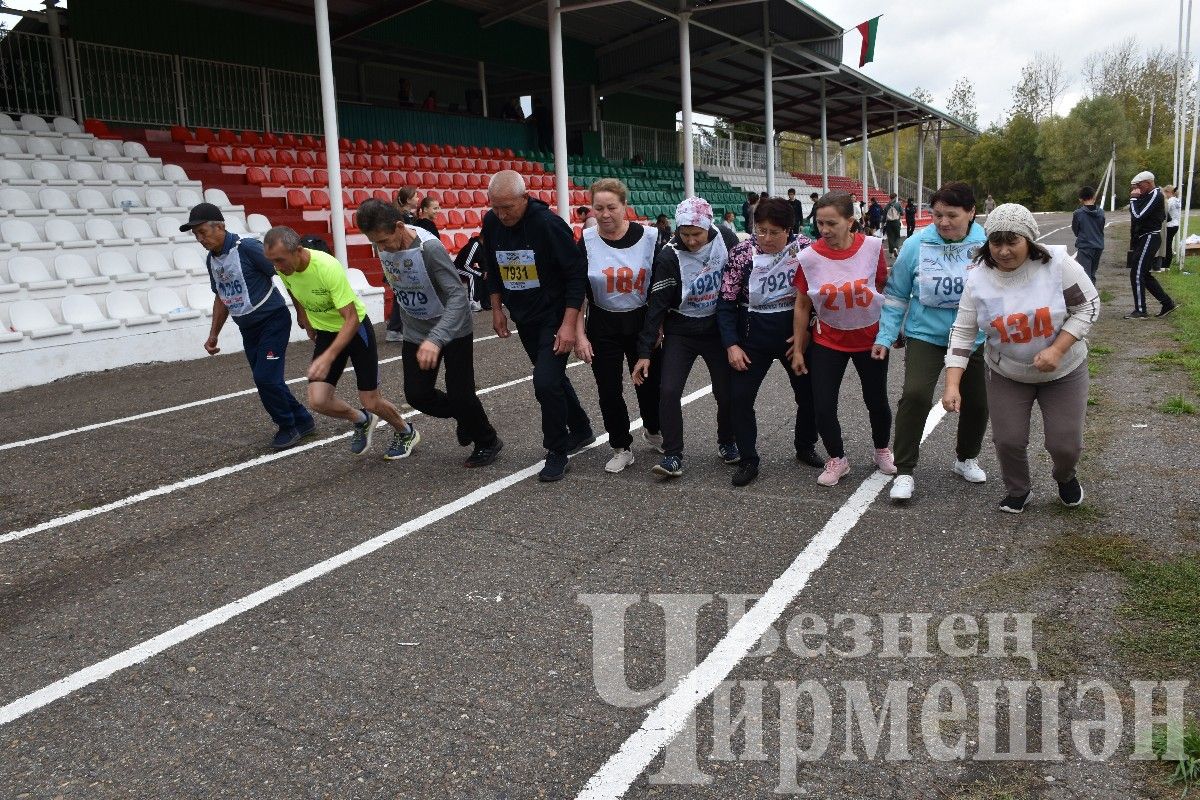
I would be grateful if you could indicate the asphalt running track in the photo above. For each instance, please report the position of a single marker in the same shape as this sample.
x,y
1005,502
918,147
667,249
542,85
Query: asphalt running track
x,y
183,616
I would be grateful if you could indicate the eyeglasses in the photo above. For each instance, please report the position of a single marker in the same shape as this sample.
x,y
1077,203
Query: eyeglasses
x,y
766,233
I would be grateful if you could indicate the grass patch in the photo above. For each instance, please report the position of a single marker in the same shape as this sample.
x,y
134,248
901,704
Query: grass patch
x,y
1161,597
1093,400
1177,406
1100,350
1187,769
1185,291
1106,296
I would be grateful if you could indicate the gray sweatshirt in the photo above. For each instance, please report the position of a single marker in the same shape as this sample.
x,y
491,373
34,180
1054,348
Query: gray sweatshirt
x,y
455,320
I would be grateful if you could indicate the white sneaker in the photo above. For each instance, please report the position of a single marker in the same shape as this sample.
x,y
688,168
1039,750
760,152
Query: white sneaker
x,y
620,460
655,440
902,487
970,471
476,305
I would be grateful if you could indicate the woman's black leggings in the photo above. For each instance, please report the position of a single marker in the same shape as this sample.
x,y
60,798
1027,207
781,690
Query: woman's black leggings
x,y
827,368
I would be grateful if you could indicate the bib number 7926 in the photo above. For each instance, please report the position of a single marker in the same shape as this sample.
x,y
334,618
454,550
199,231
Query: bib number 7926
x,y
1016,329
857,293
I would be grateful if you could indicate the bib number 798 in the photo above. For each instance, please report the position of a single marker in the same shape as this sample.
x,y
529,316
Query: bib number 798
x,y
1015,328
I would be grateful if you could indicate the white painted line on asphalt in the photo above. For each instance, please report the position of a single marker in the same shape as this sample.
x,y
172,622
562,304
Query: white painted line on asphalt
x,y
172,409
196,480
198,625
668,718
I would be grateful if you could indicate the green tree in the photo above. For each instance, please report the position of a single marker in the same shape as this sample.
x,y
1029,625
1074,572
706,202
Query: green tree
x,y
1075,149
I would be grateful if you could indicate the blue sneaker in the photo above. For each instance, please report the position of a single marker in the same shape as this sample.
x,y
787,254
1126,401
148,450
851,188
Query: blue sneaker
x,y
555,468
669,467
285,438
403,443
306,429
363,431
729,453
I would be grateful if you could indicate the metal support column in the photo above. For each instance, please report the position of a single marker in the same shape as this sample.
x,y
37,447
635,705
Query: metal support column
x,y
824,141
685,84
938,150
558,110
769,119
863,170
483,87
337,213
61,81
896,153
920,168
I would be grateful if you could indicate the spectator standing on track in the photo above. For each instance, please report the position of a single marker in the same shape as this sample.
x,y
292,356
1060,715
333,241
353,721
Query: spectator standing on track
x,y
989,205
240,276
910,218
408,204
859,211
842,277
748,211
797,210
892,214
1174,212
470,264
1147,211
920,302
337,322
1087,223
437,327
874,217
812,209
620,259
681,312
534,267
1036,306
754,315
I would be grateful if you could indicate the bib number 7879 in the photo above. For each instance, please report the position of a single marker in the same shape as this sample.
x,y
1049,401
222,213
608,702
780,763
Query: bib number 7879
x,y
1015,328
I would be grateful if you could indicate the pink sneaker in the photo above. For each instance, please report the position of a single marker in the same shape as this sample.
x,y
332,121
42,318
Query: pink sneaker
x,y
835,470
884,461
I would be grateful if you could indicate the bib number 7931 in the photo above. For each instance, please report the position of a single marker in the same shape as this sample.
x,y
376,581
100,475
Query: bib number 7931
x,y
1016,329
857,293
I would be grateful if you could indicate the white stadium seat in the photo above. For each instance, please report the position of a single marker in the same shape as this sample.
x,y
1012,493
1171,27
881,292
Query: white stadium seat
x,y
117,267
165,302
130,202
140,231
81,311
58,201
77,150
76,269
31,123
104,232
126,307
10,148
18,203
218,198
23,236
153,261
108,150
149,174
66,125
258,224
13,172
64,233
186,198
35,320
134,150
85,172
41,147
6,123
95,202
169,227
189,259
31,273
116,173
7,286
174,173
235,224
360,284
160,199
49,173
200,297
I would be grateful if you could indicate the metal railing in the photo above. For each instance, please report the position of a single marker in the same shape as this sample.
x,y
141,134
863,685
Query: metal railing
x,y
129,86
621,140
27,83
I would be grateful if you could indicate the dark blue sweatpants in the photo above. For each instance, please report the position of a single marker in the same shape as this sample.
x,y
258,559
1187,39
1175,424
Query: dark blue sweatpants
x,y
266,343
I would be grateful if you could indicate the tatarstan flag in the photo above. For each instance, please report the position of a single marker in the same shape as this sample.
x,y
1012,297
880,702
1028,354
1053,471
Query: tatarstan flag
x,y
869,30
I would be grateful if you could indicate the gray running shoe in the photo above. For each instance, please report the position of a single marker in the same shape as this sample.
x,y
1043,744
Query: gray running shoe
x,y
363,431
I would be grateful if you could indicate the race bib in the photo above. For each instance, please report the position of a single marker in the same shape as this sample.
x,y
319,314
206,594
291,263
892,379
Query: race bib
x,y
771,279
942,273
518,270
405,271
231,283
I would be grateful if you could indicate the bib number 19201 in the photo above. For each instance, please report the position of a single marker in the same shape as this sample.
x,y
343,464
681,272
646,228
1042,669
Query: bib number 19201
x,y
1016,329
621,280
857,293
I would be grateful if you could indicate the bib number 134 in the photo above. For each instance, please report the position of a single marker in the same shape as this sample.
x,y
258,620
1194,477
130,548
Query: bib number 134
x,y
1016,328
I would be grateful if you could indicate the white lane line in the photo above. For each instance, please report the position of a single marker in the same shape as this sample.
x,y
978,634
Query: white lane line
x,y
198,625
172,409
196,480
668,718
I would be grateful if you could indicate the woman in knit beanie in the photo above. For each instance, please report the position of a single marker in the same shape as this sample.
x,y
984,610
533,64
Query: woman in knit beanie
x,y
1036,306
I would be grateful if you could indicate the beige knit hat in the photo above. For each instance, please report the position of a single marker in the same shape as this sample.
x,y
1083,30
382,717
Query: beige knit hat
x,y
1012,218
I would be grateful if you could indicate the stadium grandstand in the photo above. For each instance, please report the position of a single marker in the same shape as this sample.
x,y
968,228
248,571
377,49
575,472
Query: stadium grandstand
x,y
117,123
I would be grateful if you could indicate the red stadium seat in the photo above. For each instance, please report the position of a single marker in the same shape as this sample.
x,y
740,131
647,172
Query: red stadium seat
x,y
362,160
456,218
460,180
474,181
395,162
454,164
476,152
472,219
449,198
393,147
280,176
460,241
411,162
181,134
508,153
309,142
205,135
378,162
407,148
441,164
288,140
296,198
284,158
465,199
435,150
251,138
359,178
428,180
444,182
382,194
344,145
440,221
242,156
317,199
480,198
376,146
486,152
271,140
305,158
422,150
360,195
218,155
395,180
263,156
301,177
345,159
448,242
320,177
256,176
227,137
379,178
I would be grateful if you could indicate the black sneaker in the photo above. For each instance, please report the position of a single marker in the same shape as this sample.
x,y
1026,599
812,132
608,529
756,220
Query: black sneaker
x,y
745,474
1136,315
1015,504
556,467
482,456
1167,310
307,429
809,456
669,467
1070,493
577,442
729,453
285,438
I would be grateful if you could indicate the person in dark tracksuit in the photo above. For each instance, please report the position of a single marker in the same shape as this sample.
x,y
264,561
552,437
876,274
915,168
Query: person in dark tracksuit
x,y
681,311
1087,223
535,269
1148,211
240,276
620,258
755,315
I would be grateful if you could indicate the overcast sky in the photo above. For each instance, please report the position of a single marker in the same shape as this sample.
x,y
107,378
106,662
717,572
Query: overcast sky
x,y
932,44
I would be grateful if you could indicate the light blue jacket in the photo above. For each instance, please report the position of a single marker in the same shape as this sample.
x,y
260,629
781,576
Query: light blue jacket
x,y
901,303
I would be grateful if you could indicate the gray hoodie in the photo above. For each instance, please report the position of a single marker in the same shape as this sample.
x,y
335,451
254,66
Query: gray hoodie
x,y
455,319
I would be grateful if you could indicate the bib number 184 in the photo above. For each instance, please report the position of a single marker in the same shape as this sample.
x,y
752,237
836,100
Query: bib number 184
x,y
621,280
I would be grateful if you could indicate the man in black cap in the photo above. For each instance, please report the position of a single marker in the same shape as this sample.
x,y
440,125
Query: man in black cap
x,y
240,276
